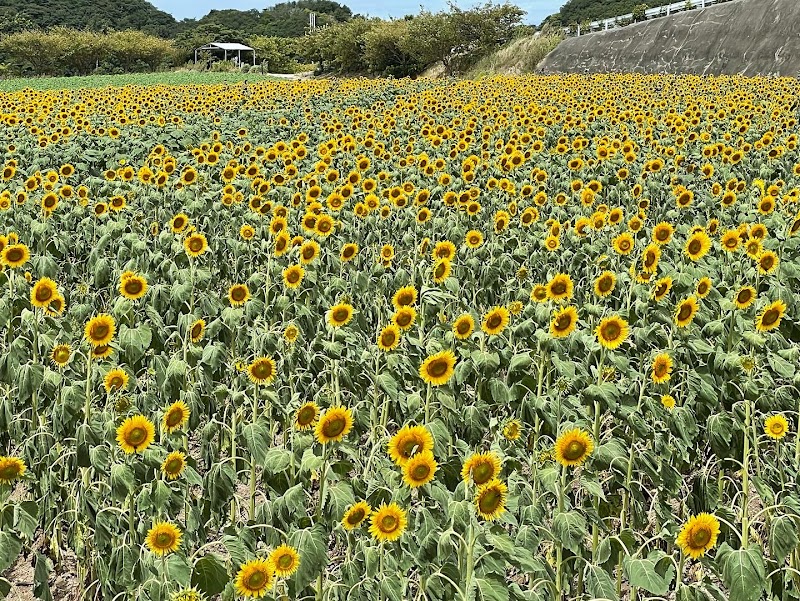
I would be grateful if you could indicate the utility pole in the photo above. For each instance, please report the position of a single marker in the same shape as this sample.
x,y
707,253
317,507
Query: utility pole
x,y
312,22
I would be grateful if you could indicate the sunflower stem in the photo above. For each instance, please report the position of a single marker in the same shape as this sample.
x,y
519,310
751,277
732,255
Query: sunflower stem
x,y
470,561
559,547
428,404
87,406
252,461
322,477
233,460
745,475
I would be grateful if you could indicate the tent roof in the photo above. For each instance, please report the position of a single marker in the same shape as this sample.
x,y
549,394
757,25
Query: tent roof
x,y
224,46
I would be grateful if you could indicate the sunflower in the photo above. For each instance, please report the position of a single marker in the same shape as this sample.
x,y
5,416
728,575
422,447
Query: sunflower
x,y
441,271
745,297
291,333
730,241
573,447
612,332
238,294
668,401
133,287
481,468
438,369
197,330
539,293
698,535
115,379
605,283
61,355
407,295
703,287
560,287
404,317
175,416
195,244
247,232
623,244
685,311
255,578
99,330
340,315
334,425
770,316
662,233
11,468
286,560
349,252
388,522
293,276
767,262
306,416
463,326
389,337
473,239
309,251
15,255
697,245
43,293
102,352
419,469
662,368
661,288
490,499
408,441
444,250
261,370
387,252
564,322
135,434
495,321
355,515
173,465
776,426
512,430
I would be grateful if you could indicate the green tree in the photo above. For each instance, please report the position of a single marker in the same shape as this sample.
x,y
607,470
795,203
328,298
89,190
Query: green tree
x,y
384,50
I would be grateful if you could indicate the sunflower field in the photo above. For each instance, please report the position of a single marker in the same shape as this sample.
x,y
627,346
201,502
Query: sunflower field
x,y
511,339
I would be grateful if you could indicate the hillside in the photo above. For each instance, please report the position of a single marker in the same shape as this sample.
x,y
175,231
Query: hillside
x,y
95,15
749,37
577,11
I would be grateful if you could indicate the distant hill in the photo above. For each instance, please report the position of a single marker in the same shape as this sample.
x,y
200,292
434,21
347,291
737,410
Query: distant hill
x,y
577,11
95,15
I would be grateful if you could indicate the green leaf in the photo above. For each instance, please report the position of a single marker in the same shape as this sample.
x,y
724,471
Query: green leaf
x,y
10,547
499,392
781,366
25,514
122,481
313,549
783,537
742,572
642,574
389,385
569,527
41,576
277,460
491,588
599,583
209,575
256,439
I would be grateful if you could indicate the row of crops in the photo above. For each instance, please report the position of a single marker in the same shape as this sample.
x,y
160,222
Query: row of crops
x,y
515,339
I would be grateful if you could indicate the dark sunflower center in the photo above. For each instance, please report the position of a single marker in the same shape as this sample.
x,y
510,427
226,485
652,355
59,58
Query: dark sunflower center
x,y
611,331
308,253
256,580
116,382
9,472
482,473
770,317
285,561
575,450
776,428
702,288
238,294
540,293
684,312
334,427
387,338
197,329
389,523
173,466
50,202
306,415
137,436
178,224
164,540
324,226
262,370
462,327
133,286
281,244
14,255
490,500
340,315
767,262
355,517
440,270
694,247
661,368
563,322
421,472
174,417
494,321
473,239
348,252
403,319
196,244
99,331
437,368
731,242
604,284
61,356
700,537
43,293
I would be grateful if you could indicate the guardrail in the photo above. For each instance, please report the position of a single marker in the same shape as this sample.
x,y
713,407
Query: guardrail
x,y
650,13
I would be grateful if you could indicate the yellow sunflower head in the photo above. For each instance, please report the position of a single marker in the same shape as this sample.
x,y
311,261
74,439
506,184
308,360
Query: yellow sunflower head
x,y
770,316
133,287
407,295
662,368
490,499
389,338
698,535
255,578
564,322
11,468
355,515
612,332
776,426
261,370
43,293
560,287
495,321
173,465
286,560
388,522
463,326
573,447
135,434
175,416
116,379
333,425
306,416
99,330
437,369
419,469
480,468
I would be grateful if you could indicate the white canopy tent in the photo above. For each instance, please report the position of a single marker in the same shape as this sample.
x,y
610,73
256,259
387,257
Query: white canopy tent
x,y
226,47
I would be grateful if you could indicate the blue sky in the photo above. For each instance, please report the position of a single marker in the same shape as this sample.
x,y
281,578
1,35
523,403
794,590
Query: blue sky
x,y
181,9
